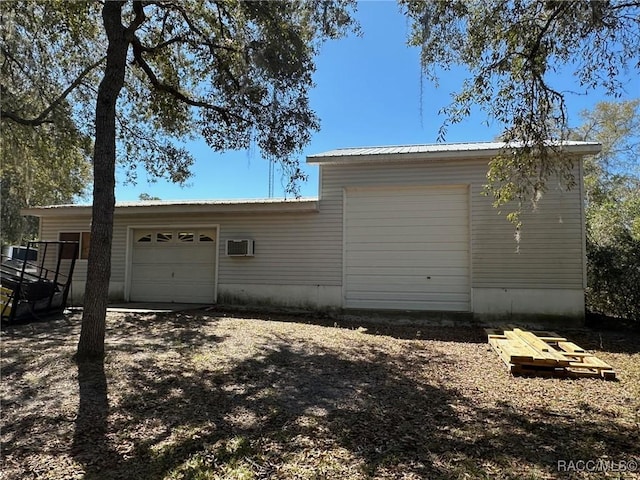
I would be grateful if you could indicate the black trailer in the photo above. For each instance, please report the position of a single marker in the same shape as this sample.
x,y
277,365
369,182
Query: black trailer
x,y
33,289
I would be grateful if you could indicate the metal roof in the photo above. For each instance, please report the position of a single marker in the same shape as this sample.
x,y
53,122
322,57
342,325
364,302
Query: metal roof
x,y
438,151
184,206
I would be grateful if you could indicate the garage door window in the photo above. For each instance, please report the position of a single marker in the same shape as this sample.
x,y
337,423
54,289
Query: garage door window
x,y
174,237
144,238
206,236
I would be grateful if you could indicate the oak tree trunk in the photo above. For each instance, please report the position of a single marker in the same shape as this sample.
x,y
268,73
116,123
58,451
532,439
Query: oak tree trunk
x,y
91,344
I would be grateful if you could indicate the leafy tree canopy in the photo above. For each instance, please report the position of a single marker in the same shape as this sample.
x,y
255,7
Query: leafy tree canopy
x,y
47,164
616,125
44,162
512,50
612,184
145,197
612,178
236,72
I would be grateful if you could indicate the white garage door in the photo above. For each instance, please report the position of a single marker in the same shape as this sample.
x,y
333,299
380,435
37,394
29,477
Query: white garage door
x,y
173,266
407,248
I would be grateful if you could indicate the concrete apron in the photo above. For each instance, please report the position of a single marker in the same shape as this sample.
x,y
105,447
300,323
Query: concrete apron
x,y
153,307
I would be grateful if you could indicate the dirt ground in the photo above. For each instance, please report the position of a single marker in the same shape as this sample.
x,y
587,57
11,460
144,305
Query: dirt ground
x,y
213,395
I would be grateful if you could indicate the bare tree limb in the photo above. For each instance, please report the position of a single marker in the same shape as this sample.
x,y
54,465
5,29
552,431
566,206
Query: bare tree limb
x,y
42,118
138,19
625,5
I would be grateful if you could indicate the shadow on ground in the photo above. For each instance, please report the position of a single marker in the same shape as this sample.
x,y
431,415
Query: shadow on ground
x,y
269,415
376,324
166,403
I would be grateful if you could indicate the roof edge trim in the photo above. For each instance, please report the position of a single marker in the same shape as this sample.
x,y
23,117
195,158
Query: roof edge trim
x,y
416,153
204,207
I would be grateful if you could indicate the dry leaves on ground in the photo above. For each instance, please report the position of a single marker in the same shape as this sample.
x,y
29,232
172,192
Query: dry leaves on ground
x,y
211,396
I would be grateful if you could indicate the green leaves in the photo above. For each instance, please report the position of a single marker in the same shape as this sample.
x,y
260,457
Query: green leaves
x,y
45,55
511,50
612,186
236,73
43,165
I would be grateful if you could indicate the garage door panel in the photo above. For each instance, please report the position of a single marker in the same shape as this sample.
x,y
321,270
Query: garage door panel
x,y
395,239
415,290
432,204
167,273
387,209
141,272
409,243
410,194
362,259
407,281
177,293
418,233
413,270
146,255
173,271
170,288
410,296
194,275
186,254
391,304
172,255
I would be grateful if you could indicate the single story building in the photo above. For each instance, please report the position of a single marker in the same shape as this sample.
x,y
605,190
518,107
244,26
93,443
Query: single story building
x,y
393,228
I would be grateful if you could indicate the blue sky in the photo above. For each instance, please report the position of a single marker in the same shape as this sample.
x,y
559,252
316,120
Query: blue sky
x,y
368,92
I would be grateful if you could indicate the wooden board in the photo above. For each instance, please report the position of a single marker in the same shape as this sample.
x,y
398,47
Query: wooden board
x,y
545,354
6,296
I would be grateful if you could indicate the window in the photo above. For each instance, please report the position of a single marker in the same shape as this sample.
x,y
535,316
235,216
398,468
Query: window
x,y
163,237
84,240
144,238
207,237
186,236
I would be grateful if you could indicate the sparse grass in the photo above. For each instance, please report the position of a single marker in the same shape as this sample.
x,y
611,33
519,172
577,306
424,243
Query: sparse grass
x,y
205,396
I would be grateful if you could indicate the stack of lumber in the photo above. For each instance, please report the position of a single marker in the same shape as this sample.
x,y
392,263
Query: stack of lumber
x,y
546,354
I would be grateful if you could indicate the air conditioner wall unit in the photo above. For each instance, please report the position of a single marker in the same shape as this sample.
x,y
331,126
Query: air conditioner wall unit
x,y
240,248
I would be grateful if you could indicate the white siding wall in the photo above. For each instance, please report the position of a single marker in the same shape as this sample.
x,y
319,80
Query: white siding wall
x,y
550,250
298,256
49,230
290,250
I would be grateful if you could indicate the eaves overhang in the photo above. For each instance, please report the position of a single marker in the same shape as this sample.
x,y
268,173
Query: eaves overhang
x,y
222,207
436,152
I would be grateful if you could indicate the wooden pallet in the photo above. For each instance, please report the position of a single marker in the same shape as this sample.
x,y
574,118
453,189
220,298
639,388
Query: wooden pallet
x,y
546,354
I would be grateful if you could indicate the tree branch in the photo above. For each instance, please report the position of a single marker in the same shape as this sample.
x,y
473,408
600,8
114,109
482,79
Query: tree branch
x,y
138,19
171,90
157,84
536,46
9,56
42,118
625,5
23,121
166,43
205,40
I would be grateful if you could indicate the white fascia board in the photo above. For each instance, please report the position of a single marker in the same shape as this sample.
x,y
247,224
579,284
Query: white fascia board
x,y
434,153
221,207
